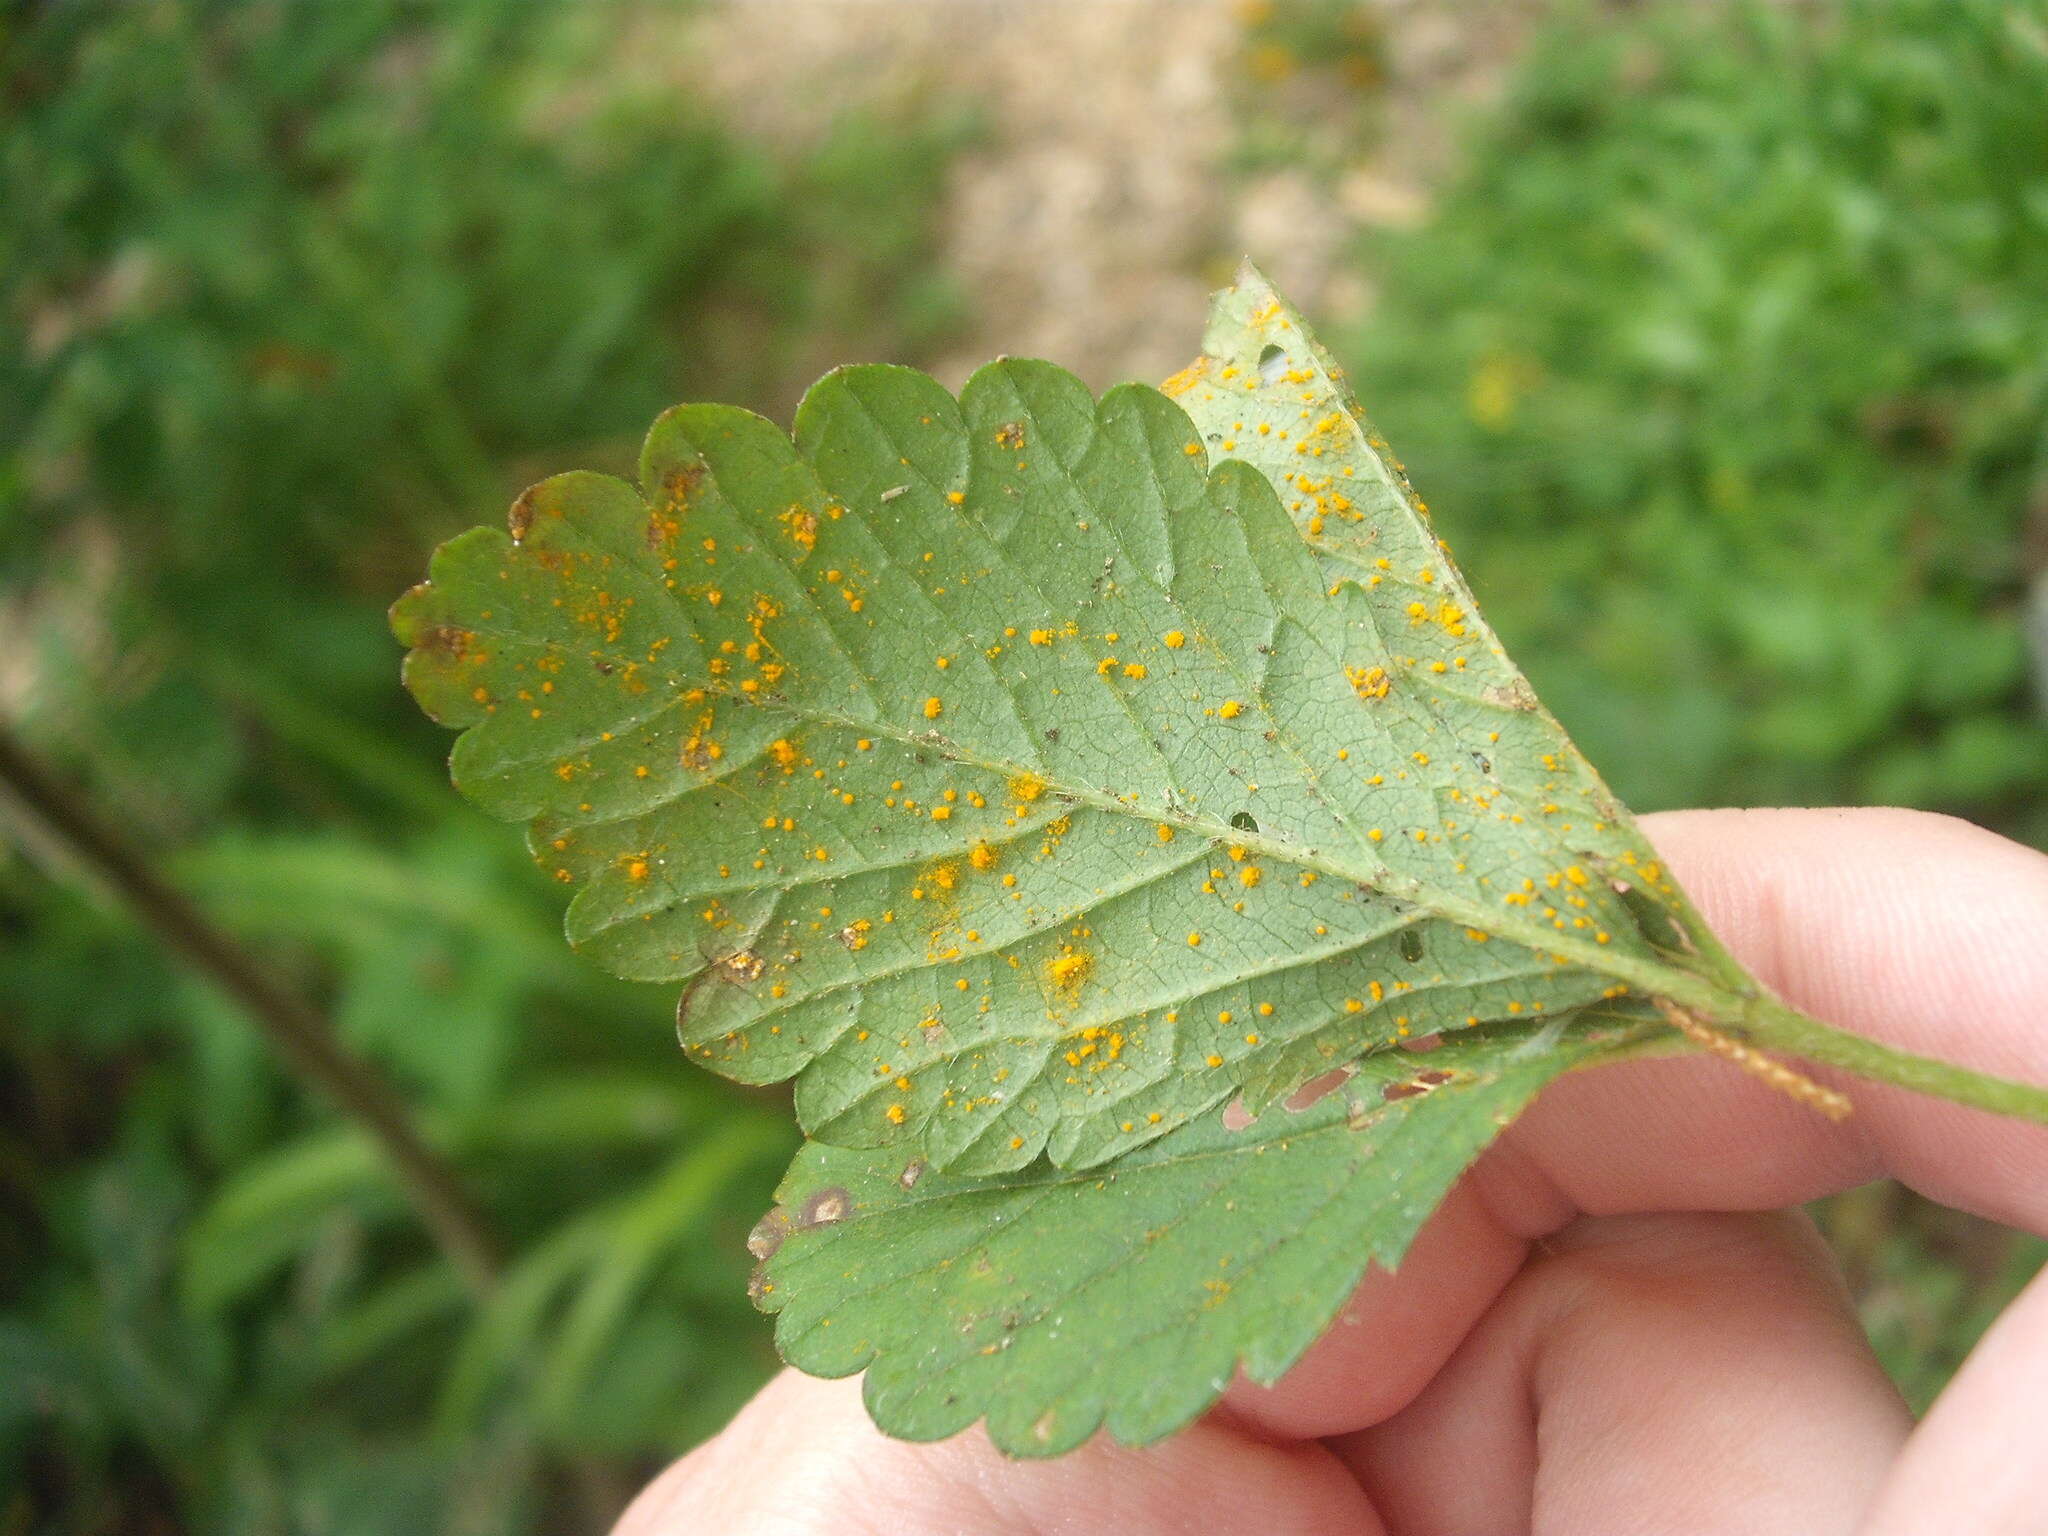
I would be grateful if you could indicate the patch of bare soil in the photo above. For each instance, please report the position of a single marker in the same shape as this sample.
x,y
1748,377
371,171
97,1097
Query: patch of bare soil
x,y
1109,193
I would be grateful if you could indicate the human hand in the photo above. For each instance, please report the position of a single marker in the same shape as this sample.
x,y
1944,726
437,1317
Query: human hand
x,y
1617,1322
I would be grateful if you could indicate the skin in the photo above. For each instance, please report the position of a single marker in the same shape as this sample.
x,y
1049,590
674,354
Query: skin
x,y
1619,1322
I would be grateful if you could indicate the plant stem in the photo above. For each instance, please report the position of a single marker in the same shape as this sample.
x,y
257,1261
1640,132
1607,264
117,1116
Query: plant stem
x,y
293,1028
1777,1027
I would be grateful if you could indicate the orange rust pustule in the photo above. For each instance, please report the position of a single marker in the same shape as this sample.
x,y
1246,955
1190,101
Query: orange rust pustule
x,y
679,483
742,966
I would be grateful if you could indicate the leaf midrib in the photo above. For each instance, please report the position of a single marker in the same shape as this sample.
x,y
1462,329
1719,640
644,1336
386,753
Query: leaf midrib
x,y
1654,978
1646,973
1688,988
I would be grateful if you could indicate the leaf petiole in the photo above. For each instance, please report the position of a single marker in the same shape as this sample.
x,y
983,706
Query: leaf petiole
x,y
1772,1024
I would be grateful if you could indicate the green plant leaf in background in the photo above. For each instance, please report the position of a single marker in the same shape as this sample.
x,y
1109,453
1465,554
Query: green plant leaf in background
x,y
1013,774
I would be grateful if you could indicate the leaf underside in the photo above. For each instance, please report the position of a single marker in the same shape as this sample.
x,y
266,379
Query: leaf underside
x,y
1056,1301
1027,779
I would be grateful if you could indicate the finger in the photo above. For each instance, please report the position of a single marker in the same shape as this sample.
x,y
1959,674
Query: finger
x,y
1397,1329
1919,930
1979,1462
1647,1374
803,1458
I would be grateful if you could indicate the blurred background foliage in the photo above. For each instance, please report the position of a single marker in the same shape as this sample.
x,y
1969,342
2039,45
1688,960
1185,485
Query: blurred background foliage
x,y
1774,285
1722,350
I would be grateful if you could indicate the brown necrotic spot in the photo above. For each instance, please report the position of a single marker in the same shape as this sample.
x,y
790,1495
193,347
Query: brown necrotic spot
x,y
447,640
681,481
768,1234
1510,695
824,1208
520,518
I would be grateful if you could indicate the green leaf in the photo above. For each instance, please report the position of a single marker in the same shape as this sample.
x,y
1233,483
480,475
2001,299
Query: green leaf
x,y
1027,779
1015,780
1056,1301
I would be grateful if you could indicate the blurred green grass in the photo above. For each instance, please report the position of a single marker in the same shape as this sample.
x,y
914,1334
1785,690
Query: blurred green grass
x,y
1723,359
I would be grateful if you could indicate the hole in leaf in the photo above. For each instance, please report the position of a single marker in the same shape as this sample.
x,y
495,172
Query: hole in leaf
x,y
1416,1086
1272,364
1244,821
1316,1088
